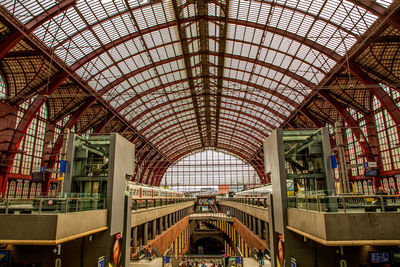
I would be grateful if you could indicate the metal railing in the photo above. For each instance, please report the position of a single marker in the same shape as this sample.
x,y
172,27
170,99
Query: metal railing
x,y
139,203
347,203
323,203
50,205
252,201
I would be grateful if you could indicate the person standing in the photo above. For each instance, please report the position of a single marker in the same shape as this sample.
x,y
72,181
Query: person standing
x,y
392,192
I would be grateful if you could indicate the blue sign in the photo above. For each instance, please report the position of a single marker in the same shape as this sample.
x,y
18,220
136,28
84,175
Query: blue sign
x,y
42,168
365,164
63,166
5,255
166,259
100,263
334,161
239,260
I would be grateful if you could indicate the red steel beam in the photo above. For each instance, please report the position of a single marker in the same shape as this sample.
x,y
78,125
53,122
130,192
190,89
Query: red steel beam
x,y
16,36
261,88
255,103
27,119
386,100
171,139
264,122
311,44
161,130
355,128
239,148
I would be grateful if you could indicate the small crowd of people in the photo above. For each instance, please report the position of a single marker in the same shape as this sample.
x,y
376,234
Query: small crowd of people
x,y
382,192
195,263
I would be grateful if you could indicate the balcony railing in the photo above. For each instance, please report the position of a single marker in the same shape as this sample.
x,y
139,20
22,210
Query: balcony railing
x,y
346,203
139,203
46,205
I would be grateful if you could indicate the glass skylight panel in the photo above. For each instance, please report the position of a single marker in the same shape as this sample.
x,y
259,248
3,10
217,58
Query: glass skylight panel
x,y
189,11
384,3
27,10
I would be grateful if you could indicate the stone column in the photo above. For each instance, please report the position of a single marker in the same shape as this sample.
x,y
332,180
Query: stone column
x,y
145,234
160,225
259,229
154,228
134,239
166,222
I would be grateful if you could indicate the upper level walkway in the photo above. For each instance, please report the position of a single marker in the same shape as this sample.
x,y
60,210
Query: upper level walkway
x,y
210,216
333,221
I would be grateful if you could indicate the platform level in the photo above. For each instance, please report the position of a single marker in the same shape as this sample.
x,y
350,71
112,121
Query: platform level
x,y
210,216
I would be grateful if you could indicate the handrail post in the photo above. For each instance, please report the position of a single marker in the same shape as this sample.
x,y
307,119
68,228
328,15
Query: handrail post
x,y
319,203
344,204
40,205
7,205
305,197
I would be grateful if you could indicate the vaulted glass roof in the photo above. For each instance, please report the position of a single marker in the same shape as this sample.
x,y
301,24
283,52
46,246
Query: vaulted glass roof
x,y
197,74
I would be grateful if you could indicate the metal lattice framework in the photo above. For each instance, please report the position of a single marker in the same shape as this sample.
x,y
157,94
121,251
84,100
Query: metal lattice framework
x,y
180,76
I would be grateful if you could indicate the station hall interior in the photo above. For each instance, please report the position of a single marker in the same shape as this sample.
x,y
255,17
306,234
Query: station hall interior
x,y
199,133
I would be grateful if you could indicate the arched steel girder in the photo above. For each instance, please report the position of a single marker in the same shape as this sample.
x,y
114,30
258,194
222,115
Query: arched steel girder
x,y
355,128
311,117
160,87
154,171
148,154
158,169
242,137
103,123
114,83
183,151
316,17
129,75
265,107
266,123
311,44
145,173
71,122
240,58
386,100
122,107
154,165
232,152
161,171
156,133
245,150
148,176
26,120
231,122
379,11
259,168
16,36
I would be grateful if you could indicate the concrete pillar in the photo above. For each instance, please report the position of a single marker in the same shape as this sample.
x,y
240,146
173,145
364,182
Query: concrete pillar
x,y
160,225
259,228
166,222
255,225
266,232
145,233
134,239
154,228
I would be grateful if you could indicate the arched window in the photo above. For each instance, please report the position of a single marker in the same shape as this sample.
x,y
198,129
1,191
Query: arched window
x,y
210,170
3,93
32,143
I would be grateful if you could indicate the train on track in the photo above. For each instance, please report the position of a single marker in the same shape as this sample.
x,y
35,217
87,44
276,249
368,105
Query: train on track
x,y
142,191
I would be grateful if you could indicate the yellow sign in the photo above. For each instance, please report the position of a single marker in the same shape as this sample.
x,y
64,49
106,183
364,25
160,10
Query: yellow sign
x,y
61,178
